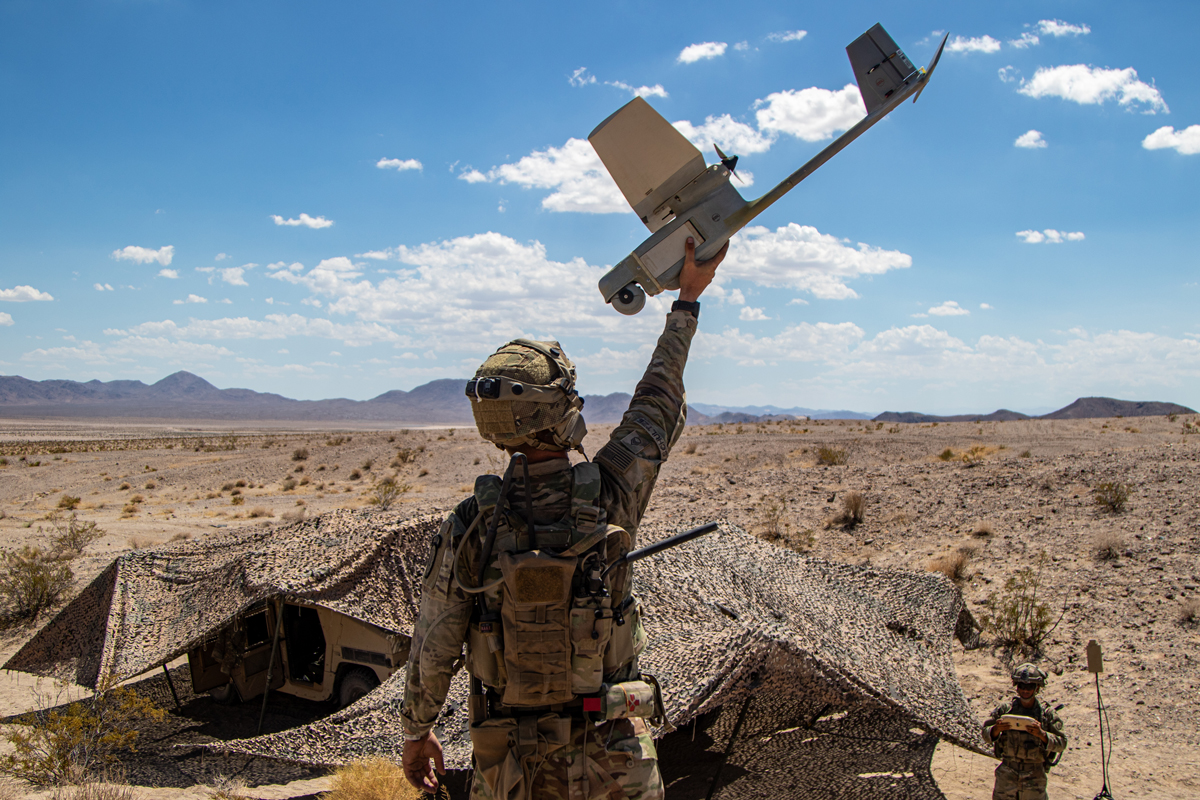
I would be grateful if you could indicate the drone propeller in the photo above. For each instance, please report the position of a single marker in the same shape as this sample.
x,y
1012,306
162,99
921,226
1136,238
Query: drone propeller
x,y
730,162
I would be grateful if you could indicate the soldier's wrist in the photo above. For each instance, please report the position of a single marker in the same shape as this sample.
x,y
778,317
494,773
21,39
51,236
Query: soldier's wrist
x,y
415,737
692,307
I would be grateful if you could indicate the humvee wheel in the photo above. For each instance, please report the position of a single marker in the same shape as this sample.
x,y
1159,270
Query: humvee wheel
x,y
355,683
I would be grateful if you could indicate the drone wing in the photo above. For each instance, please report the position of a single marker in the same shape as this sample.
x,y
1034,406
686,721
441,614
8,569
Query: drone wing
x,y
647,157
879,65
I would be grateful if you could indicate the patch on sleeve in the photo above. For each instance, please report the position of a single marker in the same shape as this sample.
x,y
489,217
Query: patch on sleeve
x,y
654,432
616,456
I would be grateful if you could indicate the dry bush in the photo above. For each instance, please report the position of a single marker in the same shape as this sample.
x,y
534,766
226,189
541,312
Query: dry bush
x,y
66,744
854,507
355,475
830,456
109,786
31,580
224,788
801,541
770,522
1018,618
1189,611
212,495
151,485
1026,454
946,455
982,529
237,500
405,455
124,486
71,534
422,473
260,511
288,484
227,487
371,779
293,516
139,542
1111,495
182,536
690,449
137,498
897,518
387,492
1108,545
336,440
300,454
954,564
68,502
366,467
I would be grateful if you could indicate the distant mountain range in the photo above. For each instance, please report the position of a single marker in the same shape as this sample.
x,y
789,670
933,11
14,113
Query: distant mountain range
x,y
441,402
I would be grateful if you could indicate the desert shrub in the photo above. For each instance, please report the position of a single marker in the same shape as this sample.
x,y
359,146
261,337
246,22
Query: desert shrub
x,y
68,502
237,500
3,462
831,456
212,495
1111,495
31,580
236,492
1026,454
954,564
124,486
182,536
897,518
366,467
371,779
982,529
137,498
387,492
405,455
240,484
1017,617
690,449
422,473
63,744
946,455
259,511
854,507
336,440
227,487
151,485
293,516
1189,611
224,788
72,534
801,541
107,786
300,454
288,484
1192,426
771,522
355,475
1108,545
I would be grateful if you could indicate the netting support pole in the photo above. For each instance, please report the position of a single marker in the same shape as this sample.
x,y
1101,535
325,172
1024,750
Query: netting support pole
x,y
737,728
171,686
271,664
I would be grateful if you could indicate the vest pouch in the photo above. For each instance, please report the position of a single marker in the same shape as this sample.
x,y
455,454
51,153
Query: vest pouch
x,y
480,657
591,630
536,615
628,640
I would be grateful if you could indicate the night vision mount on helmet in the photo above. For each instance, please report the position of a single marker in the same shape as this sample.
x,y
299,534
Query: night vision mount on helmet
x,y
1029,673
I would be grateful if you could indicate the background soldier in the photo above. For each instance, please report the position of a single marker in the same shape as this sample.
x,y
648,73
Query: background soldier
x,y
1025,750
517,573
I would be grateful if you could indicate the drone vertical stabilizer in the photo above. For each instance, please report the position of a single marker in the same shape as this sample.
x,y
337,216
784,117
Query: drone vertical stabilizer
x,y
648,158
879,65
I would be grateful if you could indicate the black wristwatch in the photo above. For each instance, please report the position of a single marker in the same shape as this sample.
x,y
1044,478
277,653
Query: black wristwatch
x,y
692,308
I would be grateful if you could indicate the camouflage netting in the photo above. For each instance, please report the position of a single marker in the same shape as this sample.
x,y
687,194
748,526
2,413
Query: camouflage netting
x,y
783,673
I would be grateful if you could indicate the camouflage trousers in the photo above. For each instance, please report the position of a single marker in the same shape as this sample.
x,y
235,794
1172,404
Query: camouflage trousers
x,y
1027,783
555,757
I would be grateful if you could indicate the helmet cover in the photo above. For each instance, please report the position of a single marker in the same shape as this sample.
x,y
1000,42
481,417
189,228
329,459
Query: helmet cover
x,y
1029,673
524,394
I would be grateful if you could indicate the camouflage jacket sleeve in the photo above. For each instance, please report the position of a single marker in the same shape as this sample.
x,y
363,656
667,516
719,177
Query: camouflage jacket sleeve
x,y
441,627
1052,724
630,461
999,712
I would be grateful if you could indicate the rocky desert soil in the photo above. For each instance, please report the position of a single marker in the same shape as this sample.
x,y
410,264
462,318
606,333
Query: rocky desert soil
x,y
983,501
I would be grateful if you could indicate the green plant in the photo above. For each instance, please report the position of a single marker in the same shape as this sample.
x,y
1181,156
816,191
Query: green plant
x,y
68,502
64,744
771,519
831,456
1111,495
237,500
1017,617
72,534
405,455
31,580
387,492
1026,454
946,455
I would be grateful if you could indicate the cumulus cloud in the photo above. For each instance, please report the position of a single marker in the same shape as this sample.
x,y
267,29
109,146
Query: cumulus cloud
x,y
802,258
1056,27
698,52
472,176
144,255
192,298
581,77
1030,140
741,46
1008,74
984,306
5,319
787,36
810,114
129,351
656,90
1027,39
1185,142
575,173
822,341
274,326
221,257
731,135
305,220
400,165
1089,85
949,309
24,294
976,44
749,314
235,276
102,287
168,273
376,255
1050,236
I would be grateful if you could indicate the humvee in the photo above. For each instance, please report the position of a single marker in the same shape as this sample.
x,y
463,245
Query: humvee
x,y
320,655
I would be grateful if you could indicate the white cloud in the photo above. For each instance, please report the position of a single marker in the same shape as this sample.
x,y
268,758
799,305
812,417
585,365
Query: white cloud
x,y
234,276
976,44
274,326
1185,142
5,319
168,273
741,46
580,77
144,255
698,52
801,257
472,176
732,136
656,90
822,341
749,314
1027,40
377,255
102,287
1030,140
575,173
949,309
192,298
787,36
984,306
810,114
736,298
131,350
24,294
1087,85
1056,27
396,164
797,301
221,257
1050,236
305,220
1008,74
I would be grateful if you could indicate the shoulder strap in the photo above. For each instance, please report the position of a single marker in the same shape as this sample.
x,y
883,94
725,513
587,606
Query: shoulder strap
x,y
586,515
487,492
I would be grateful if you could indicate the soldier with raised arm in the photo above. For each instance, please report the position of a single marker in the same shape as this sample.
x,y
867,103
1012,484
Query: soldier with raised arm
x,y
520,574
1026,736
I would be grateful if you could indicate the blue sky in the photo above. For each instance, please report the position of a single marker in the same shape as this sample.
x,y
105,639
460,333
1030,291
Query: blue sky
x,y
335,200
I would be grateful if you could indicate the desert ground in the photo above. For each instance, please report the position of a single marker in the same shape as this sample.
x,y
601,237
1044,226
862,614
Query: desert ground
x,y
981,501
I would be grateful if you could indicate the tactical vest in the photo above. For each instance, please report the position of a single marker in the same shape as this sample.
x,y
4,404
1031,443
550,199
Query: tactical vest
x,y
553,626
1023,750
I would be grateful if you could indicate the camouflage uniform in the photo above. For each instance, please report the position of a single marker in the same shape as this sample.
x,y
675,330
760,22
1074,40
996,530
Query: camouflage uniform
x,y
1021,774
557,755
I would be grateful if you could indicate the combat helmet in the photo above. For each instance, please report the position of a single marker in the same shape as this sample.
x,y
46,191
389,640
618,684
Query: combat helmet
x,y
524,394
1029,673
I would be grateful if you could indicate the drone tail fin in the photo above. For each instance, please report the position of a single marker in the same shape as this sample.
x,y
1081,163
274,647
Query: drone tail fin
x,y
880,67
